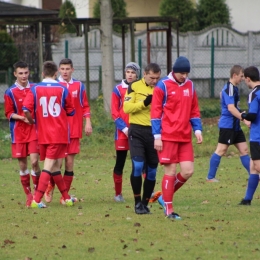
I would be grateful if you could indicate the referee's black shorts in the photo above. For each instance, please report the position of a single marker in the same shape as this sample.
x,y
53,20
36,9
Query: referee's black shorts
x,y
229,136
141,143
255,150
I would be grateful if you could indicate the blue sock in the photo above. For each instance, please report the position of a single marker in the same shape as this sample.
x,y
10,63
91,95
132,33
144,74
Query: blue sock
x,y
213,165
251,186
245,160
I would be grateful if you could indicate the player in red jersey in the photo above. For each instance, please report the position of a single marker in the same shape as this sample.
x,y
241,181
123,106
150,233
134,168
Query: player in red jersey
x,y
121,119
174,113
52,103
82,108
23,134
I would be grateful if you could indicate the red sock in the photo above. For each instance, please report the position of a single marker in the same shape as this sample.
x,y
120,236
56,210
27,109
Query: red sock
x,y
68,178
25,180
57,177
42,185
168,191
118,183
35,179
179,182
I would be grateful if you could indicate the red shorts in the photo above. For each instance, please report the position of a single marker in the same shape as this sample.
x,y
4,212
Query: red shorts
x,y
53,151
176,152
74,146
24,149
121,144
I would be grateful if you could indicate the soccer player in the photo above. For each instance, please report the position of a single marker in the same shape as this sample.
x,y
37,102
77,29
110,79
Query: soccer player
x,y
174,113
230,131
82,110
137,104
23,133
252,120
52,103
121,119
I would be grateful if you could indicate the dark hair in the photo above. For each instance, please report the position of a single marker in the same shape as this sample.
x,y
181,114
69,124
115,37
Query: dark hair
x,y
66,61
20,64
252,72
154,67
49,68
235,70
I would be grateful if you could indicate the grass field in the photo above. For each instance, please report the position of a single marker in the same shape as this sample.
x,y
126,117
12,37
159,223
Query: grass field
x,y
213,226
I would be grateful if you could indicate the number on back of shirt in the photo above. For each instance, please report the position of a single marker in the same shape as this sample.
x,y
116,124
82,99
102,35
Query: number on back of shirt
x,y
52,108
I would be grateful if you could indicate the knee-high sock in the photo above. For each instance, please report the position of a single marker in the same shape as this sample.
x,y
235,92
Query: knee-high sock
x,y
251,186
245,160
57,177
136,177
179,181
68,178
213,165
25,181
35,179
167,192
42,186
118,181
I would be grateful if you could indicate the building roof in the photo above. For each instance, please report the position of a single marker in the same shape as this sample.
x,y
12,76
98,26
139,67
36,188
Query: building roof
x,y
14,11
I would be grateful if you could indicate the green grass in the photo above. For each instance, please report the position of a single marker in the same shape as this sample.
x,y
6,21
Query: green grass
x,y
213,226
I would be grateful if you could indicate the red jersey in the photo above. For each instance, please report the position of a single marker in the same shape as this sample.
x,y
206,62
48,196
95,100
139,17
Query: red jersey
x,y
51,103
120,118
14,96
175,110
80,101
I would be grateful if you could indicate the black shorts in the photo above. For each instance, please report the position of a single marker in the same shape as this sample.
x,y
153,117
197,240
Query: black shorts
x,y
141,143
229,136
255,150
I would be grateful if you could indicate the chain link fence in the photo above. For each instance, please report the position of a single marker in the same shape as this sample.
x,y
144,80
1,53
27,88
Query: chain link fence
x,y
211,53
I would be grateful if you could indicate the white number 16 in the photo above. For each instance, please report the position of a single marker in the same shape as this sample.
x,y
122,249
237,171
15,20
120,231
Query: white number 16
x,y
53,108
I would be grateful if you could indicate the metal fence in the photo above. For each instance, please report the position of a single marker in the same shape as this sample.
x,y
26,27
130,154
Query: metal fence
x,y
211,53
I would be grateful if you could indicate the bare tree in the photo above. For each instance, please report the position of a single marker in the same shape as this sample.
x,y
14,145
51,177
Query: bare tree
x,y
108,81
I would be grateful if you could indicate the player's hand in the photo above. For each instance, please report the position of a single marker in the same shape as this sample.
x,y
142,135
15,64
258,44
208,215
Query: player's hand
x,y
247,123
88,128
148,100
25,120
158,145
199,138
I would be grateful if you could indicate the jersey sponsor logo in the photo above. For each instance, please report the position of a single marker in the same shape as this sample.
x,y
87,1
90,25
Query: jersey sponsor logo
x,y
127,98
20,99
74,93
173,92
186,93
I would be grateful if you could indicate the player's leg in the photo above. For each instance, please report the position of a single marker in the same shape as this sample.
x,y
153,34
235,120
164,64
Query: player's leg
x,y
118,174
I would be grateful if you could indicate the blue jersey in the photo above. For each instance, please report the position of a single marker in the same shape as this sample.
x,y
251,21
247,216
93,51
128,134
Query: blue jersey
x,y
254,107
229,95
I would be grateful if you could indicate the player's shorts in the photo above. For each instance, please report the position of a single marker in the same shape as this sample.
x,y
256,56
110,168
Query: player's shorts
x,y
229,136
141,143
176,152
255,150
53,151
24,149
74,146
121,144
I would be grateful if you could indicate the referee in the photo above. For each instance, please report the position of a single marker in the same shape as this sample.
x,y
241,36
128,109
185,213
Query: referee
x,y
141,141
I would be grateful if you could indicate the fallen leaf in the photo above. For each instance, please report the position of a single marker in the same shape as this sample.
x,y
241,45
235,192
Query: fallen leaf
x,y
137,224
125,246
205,202
63,246
107,215
91,249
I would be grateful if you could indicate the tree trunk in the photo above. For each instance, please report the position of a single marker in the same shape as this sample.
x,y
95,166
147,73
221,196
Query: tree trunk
x,y
106,17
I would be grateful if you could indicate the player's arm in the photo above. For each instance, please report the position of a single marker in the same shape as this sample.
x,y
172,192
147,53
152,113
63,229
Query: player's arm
x,y
253,109
69,106
130,105
234,111
195,119
115,111
28,105
156,115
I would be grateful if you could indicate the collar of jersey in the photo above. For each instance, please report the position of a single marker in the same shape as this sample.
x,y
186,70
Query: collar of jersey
x,y
49,80
21,87
64,81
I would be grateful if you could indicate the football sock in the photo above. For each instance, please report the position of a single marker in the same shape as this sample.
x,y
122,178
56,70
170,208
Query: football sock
x,y
168,191
42,185
245,160
68,178
179,181
35,179
251,186
136,183
118,183
57,177
25,181
147,190
213,165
